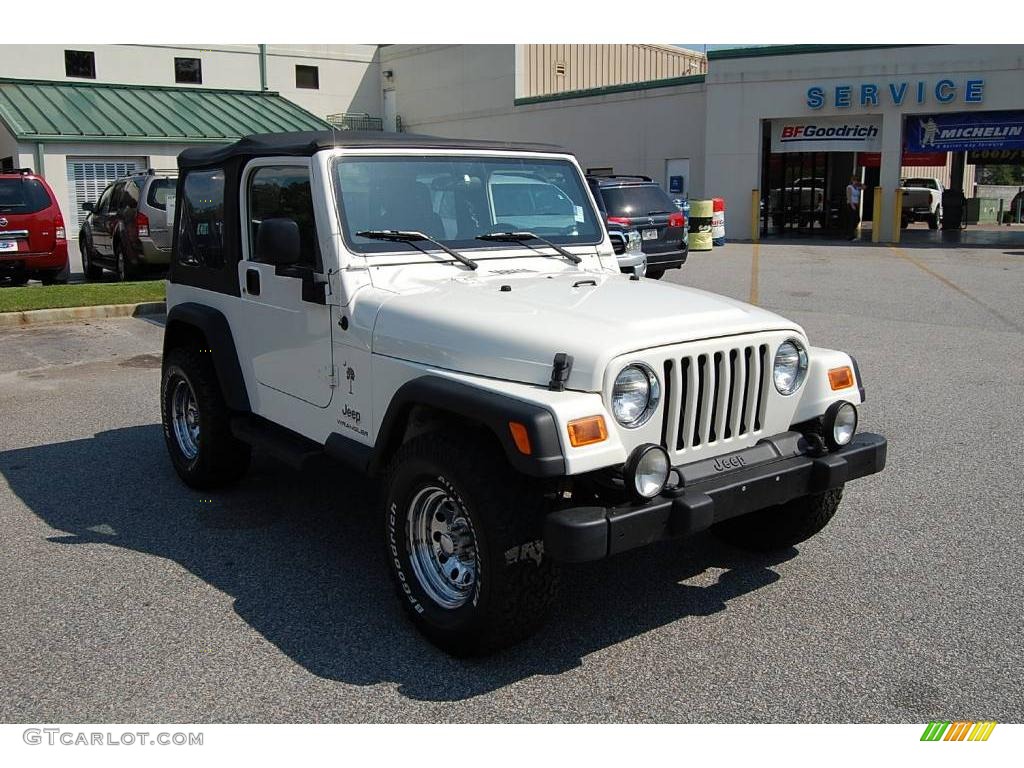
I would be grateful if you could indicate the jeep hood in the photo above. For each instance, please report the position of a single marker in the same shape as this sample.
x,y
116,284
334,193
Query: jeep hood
x,y
511,328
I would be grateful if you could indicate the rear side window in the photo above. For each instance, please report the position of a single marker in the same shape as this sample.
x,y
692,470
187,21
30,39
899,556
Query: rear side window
x,y
639,200
159,190
201,231
283,192
23,196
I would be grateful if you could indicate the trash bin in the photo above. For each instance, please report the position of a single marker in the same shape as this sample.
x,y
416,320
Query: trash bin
x,y
718,221
953,209
700,225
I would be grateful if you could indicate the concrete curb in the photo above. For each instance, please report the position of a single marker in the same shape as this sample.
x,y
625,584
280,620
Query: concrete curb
x,y
71,314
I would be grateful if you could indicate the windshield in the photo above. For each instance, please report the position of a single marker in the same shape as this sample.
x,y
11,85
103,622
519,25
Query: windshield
x,y
638,200
456,199
22,196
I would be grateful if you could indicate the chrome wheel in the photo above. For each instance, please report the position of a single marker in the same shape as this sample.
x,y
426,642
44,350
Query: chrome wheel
x,y
442,547
185,418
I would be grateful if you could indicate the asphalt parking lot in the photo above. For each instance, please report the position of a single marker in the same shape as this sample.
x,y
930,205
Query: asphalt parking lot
x,y
127,597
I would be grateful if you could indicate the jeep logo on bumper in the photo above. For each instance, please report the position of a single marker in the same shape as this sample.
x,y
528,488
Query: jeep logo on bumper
x,y
722,463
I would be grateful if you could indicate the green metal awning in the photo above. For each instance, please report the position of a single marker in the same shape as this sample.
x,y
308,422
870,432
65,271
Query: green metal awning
x,y
40,110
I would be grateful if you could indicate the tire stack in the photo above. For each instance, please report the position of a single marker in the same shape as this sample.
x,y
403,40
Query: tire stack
x,y
701,213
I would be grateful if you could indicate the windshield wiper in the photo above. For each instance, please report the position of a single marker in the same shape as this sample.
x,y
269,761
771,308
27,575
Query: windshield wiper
x,y
522,237
406,236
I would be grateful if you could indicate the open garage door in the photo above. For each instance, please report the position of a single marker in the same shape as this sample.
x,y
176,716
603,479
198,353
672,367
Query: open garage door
x,y
87,176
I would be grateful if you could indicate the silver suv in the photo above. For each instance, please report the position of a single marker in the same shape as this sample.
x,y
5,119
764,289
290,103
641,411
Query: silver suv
x,y
127,229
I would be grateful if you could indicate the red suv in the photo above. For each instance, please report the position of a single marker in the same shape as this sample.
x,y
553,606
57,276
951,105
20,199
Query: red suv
x,y
33,242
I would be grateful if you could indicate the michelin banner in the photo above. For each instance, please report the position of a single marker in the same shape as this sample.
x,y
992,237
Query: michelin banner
x,y
963,132
827,134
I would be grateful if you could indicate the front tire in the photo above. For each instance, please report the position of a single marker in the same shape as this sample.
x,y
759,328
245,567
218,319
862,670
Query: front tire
x,y
655,274
462,532
92,271
782,526
196,422
935,219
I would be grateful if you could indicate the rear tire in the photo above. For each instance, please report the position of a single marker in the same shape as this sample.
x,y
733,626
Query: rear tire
x,y
655,274
196,422
782,526
17,279
463,536
935,219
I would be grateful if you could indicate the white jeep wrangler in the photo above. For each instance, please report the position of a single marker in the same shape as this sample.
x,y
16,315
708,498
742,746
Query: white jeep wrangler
x,y
402,304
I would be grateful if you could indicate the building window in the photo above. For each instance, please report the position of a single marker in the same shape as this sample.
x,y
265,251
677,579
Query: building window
x,y
188,71
600,171
307,77
80,64
7,164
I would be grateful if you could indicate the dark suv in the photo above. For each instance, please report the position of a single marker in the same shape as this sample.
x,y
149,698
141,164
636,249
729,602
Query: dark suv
x,y
32,238
127,229
637,202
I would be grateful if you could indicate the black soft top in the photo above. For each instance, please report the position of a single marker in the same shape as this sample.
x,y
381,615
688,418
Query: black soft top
x,y
306,143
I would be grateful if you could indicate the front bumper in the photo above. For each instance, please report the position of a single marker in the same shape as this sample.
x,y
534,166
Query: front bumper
x,y
581,534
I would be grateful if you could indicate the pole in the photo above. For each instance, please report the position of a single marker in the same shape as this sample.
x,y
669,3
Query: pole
x,y
263,67
755,215
897,215
876,216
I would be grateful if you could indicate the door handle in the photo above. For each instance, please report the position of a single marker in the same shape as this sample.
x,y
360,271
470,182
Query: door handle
x,y
252,282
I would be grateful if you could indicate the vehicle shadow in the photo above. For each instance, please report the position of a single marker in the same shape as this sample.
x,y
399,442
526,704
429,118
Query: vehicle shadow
x,y
302,557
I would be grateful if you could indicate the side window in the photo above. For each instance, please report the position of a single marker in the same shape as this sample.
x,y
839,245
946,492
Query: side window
x,y
103,205
131,194
117,197
284,192
201,231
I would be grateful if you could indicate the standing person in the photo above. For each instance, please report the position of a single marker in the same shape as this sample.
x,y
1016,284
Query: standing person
x,y
853,206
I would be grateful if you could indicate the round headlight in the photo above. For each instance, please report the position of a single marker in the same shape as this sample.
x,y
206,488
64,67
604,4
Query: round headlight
x,y
840,424
635,395
646,471
790,366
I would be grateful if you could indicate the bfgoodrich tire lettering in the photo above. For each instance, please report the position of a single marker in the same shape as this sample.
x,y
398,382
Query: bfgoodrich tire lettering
x,y
510,592
782,526
215,456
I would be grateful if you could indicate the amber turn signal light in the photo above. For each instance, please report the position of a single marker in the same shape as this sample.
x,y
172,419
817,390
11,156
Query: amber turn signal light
x,y
841,378
520,437
587,431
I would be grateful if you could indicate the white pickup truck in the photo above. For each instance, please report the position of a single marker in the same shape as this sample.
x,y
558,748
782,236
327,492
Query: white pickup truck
x,y
922,201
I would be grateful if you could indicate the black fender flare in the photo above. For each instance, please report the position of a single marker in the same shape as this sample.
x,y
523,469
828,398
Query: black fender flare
x,y
493,410
215,328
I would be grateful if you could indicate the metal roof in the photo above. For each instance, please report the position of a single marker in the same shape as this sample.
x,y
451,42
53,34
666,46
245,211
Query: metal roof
x,y
307,143
41,110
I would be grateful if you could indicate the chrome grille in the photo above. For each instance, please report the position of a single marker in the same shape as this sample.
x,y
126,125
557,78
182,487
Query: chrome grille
x,y
714,396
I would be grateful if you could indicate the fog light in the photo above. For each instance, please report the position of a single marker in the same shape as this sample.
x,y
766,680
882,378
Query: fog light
x,y
840,424
646,471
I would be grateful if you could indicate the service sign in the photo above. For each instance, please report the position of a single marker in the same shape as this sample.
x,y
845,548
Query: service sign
x,y
828,134
961,132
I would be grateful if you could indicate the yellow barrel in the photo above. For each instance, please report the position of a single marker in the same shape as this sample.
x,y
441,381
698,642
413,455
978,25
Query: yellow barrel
x,y
701,212
702,209
701,241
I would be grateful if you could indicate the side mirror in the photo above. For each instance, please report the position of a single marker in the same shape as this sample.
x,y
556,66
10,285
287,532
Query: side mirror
x,y
90,207
278,242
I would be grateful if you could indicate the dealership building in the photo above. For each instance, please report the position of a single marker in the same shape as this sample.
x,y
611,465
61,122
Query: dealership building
x,y
777,131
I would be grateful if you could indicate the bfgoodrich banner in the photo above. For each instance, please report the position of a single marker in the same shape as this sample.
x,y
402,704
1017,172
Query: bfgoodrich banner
x,y
828,134
962,132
